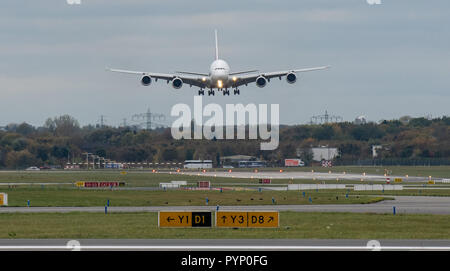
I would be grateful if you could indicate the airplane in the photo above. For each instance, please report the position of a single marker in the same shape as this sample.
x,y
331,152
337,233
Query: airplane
x,y
219,77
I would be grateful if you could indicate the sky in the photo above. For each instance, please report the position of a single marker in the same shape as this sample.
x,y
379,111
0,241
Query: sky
x,y
387,60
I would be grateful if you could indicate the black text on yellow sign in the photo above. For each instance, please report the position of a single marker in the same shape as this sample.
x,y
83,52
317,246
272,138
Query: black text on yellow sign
x,y
184,219
263,219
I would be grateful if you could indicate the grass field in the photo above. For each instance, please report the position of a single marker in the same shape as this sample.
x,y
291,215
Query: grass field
x,y
293,226
98,197
144,225
64,193
136,178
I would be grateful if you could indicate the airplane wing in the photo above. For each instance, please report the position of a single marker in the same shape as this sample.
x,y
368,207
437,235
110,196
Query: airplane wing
x,y
242,72
244,80
189,80
192,73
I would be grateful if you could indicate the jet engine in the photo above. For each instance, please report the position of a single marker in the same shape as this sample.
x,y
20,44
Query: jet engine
x,y
177,83
261,81
291,78
146,80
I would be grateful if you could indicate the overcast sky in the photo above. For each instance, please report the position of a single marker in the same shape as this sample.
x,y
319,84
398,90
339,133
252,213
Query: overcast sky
x,y
387,60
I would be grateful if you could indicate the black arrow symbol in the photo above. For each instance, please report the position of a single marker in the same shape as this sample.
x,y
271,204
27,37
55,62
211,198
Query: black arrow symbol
x,y
224,218
270,218
170,219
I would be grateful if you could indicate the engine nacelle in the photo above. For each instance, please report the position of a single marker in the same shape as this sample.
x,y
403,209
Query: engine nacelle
x,y
291,78
261,81
146,80
177,83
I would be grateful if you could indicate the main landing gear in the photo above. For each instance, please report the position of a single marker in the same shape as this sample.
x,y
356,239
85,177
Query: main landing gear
x,y
201,92
235,92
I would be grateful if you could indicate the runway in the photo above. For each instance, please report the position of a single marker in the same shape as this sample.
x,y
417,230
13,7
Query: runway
x,y
222,244
402,204
302,175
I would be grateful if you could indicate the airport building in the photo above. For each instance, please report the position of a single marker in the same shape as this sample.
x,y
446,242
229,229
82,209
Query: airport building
x,y
324,153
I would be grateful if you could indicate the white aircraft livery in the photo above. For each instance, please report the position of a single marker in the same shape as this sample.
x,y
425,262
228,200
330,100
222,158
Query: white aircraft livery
x,y
219,77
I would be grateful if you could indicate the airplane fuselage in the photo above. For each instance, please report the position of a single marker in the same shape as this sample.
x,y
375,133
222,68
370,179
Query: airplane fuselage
x,y
219,75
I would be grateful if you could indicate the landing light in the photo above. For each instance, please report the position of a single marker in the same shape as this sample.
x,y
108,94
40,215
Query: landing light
x,y
234,78
204,79
220,83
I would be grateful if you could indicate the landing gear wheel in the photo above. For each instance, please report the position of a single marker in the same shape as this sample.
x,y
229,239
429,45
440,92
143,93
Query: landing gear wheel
x,y
237,92
226,92
201,92
211,92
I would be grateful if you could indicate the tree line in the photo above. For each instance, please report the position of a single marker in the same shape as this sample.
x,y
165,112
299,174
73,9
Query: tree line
x,y
61,139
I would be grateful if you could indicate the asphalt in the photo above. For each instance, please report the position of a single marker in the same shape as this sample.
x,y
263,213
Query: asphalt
x,y
402,204
303,175
222,244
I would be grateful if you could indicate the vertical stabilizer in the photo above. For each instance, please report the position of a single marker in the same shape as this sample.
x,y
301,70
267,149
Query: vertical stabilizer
x,y
217,45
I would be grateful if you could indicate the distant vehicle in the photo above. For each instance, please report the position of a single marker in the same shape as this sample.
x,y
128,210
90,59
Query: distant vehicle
x,y
293,163
114,165
251,164
198,164
33,169
227,166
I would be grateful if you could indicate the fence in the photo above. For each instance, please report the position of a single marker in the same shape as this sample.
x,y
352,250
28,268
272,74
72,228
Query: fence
x,y
315,186
393,162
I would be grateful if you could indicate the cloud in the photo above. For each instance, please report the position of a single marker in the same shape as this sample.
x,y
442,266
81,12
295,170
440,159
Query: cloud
x,y
53,55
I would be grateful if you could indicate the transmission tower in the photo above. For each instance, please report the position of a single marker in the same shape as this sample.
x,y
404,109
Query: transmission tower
x,y
150,120
124,123
102,121
326,118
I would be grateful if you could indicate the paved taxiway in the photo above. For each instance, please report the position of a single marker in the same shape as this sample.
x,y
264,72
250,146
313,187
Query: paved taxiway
x,y
403,205
302,175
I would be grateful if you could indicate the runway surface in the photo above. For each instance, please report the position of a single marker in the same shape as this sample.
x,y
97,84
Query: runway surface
x,y
303,175
222,244
403,205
